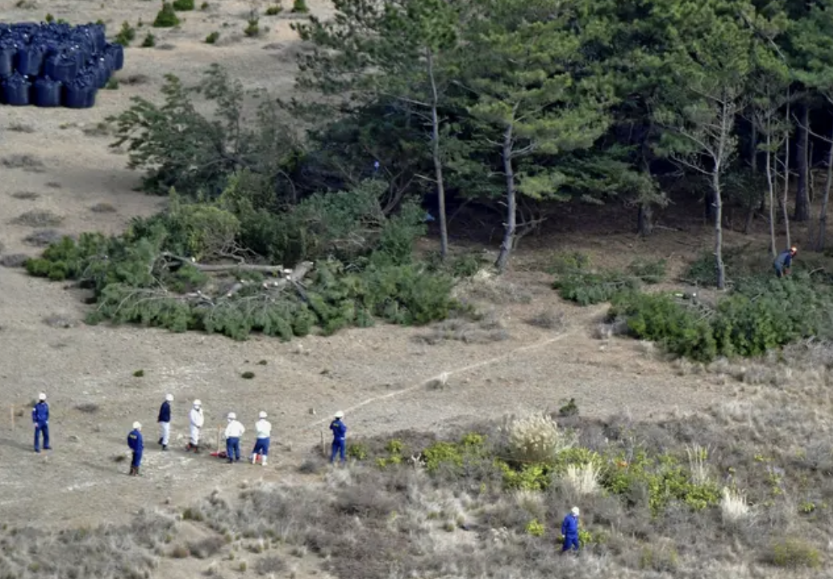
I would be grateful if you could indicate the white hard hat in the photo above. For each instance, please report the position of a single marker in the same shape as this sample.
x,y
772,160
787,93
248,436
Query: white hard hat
x,y
137,426
41,396
169,397
262,414
575,511
197,402
339,414
232,416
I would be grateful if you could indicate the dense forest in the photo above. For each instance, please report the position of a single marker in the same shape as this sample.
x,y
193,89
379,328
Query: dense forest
x,y
408,111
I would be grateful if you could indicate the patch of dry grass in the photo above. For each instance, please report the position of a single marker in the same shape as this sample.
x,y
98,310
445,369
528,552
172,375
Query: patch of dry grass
x,y
59,321
28,163
485,287
103,208
25,195
43,237
17,127
483,331
38,218
547,319
13,260
105,552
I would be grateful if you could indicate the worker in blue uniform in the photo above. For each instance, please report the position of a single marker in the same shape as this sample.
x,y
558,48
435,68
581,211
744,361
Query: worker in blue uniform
x,y
784,262
339,438
137,445
40,418
569,528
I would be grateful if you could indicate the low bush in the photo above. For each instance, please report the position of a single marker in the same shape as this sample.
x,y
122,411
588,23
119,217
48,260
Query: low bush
x,y
578,283
793,553
183,5
212,38
274,10
149,41
166,17
126,35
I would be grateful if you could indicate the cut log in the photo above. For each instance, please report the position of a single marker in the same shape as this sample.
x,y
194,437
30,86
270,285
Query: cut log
x,y
294,276
229,267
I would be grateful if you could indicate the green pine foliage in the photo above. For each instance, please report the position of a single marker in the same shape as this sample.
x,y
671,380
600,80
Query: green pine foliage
x,y
183,5
760,315
579,283
166,17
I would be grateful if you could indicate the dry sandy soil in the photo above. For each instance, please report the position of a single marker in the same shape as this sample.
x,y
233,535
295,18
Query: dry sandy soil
x,y
378,376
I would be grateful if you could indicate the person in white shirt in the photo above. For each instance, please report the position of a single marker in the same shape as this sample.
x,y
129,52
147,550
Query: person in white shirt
x,y
234,431
196,420
264,432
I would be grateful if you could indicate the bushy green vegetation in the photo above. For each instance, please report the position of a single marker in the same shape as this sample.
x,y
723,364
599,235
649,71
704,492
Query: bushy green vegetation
x,y
183,5
578,282
126,35
166,17
362,271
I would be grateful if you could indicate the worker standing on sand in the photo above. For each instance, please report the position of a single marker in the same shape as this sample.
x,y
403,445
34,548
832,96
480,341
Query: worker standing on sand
x,y
197,420
264,433
164,421
234,431
569,528
137,445
784,262
40,418
339,438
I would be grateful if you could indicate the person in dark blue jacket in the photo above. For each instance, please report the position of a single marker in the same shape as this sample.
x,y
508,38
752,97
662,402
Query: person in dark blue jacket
x,y
784,262
569,528
137,445
40,418
339,438
164,421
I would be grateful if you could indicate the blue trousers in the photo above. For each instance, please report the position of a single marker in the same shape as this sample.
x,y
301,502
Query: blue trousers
x,y
570,542
261,446
137,459
42,428
779,271
340,448
233,448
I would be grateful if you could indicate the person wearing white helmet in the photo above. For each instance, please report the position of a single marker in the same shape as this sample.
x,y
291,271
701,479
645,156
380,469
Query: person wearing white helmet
x,y
164,421
40,418
569,528
234,430
264,433
196,420
339,438
137,445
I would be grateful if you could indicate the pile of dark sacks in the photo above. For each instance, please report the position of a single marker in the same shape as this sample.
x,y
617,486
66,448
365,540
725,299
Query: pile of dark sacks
x,y
55,64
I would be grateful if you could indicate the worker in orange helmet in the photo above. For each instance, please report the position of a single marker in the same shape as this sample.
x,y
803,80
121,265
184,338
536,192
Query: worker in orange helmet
x,y
784,262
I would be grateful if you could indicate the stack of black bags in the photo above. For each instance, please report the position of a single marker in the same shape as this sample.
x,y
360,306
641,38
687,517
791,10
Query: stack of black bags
x,y
55,64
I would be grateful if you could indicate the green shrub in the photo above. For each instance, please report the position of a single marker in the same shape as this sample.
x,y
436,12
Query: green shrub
x,y
650,272
126,35
356,451
252,29
247,375
49,18
212,38
204,6
440,454
535,528
166,17
274,10
299,7
183,5
112,83
149,41
793,553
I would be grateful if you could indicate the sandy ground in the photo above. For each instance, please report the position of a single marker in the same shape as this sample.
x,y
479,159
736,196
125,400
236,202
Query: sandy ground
x,y
376,375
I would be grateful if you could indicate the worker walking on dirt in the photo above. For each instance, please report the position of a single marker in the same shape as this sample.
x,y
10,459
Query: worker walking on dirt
x,y
40,418
196,420
234,431
137,445
784,262
263,428
164,421
339,438
569,528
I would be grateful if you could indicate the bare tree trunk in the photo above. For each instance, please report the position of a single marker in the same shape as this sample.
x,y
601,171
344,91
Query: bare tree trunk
x,y
784,208
753,155
510,225
645,219
802,205
771,186
435,153
718,229
825,198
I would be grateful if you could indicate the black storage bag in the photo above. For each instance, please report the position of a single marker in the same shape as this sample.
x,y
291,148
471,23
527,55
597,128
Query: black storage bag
x,y
30,60
8,50
47,92
61,67
16,90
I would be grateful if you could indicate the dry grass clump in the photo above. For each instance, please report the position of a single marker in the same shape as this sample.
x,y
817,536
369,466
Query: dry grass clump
x,y
87,407
59,321
583,480
13,260
28,163
483,331
103,208
486,287
38,218
21,128
733,506
43,237
535,438
548,320
25,195
105,552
